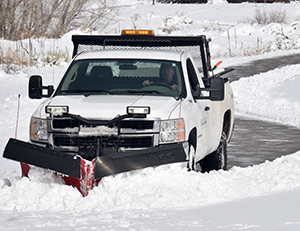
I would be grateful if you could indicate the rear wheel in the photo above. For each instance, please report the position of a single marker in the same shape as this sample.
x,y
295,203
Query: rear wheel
x,y
218,159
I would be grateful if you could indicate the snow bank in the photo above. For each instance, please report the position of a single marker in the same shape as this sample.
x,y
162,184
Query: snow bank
x,y
164,187
273,95
10,87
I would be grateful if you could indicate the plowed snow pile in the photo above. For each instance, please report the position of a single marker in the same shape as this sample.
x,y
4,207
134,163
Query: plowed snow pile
x,y
273,95
164,187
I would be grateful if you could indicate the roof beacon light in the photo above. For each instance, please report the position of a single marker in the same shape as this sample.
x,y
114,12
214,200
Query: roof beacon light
x,y
138,32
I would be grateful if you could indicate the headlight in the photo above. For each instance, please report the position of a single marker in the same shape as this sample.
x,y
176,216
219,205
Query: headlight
x,y
172,131
38,129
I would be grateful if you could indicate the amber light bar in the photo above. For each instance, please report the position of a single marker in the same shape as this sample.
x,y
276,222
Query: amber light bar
x,y
138,32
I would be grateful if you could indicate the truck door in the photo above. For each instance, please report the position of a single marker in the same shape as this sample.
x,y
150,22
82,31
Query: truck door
x,y
201,112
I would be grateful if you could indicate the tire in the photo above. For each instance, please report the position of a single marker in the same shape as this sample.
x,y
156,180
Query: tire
x,y
218,159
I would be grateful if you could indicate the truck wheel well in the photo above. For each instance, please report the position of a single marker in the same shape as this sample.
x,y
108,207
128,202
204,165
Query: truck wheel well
x,y
192,142
193,138
226,122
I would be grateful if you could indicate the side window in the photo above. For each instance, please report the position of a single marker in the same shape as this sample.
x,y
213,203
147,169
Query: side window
x,y
194,83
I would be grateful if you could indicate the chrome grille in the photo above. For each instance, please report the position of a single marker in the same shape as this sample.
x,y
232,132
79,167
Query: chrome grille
x,y
107,142
71,136
130,124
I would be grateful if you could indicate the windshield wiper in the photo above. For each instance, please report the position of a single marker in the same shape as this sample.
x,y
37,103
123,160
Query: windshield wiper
x,y
86,91
176,97
142,91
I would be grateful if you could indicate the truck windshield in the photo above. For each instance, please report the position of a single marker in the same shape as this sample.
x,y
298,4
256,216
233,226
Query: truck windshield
x,y
128,77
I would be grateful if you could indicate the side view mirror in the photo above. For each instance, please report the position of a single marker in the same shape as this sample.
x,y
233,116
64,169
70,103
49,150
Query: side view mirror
x,y
35,88
216,89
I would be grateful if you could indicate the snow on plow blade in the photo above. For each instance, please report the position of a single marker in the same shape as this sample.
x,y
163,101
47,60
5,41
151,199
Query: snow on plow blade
x,y
70,164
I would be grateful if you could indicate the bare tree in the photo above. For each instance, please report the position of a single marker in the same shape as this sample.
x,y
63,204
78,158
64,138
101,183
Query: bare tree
x,y
98,16
7,16
51,18
68,12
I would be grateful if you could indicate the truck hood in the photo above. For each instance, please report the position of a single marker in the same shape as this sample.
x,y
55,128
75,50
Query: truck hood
x,y
109,106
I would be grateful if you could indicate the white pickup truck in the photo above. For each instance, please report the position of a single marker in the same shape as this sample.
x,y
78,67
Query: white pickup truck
x,y
129,102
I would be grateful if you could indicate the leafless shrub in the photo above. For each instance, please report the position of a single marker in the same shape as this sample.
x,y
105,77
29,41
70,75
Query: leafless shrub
x,y
12,59
32,21
258,49
52,57
175,22
95,17
134,19
264,17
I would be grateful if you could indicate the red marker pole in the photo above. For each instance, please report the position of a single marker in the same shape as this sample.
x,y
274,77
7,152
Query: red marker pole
x,y
18,112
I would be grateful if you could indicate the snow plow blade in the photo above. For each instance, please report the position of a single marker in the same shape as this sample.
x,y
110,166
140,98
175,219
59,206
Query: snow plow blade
x,y
127,161
70,164
43,157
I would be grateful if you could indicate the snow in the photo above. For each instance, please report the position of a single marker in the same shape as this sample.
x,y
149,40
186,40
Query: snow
x,y
260,197
273,95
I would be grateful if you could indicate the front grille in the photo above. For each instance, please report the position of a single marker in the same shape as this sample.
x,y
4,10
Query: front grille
x,y
64,123
106,142
128,124
139,125
89,141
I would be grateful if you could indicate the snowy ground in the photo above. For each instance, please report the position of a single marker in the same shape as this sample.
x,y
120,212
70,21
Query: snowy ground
x,y
261,197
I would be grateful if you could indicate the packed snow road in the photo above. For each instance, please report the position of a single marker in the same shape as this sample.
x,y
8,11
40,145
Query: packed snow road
x,y
255,141
262,65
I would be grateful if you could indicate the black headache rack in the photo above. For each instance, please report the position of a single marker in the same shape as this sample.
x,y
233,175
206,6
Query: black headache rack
x,y
70,164
197,46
